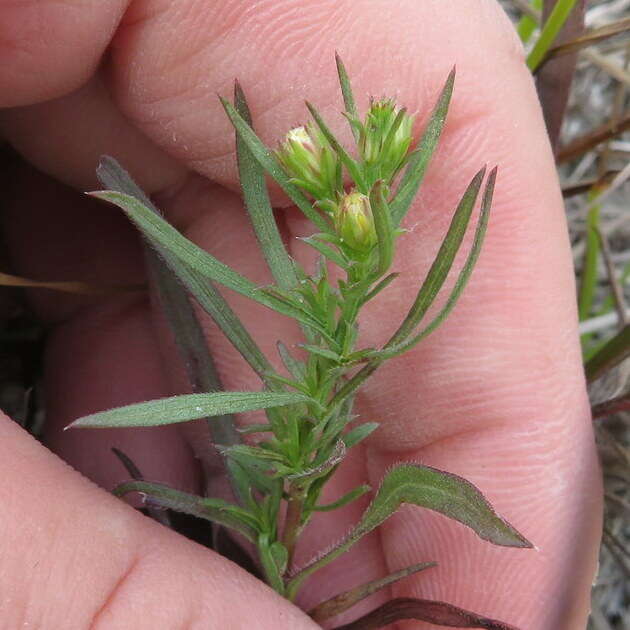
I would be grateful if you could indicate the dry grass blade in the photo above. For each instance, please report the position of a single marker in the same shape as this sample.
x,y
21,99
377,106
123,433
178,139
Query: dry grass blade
x,y
610,407
588,39
70,286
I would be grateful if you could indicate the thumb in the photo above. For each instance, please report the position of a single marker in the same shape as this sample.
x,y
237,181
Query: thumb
x,y
75,557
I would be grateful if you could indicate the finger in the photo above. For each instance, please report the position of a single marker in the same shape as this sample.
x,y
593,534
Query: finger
x,y
113,567
65,137
51,48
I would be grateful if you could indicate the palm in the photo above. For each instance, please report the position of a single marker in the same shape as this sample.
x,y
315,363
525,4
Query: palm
x,y
495,395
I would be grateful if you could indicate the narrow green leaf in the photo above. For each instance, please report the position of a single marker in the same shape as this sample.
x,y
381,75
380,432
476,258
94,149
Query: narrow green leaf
x,y
213,303
255,452
326,251
269,557
443,261
344,601
588,276
157,514
280,556
254,187
215,510
186,407
354,169
429,488
358,434
264,157
383,284
296,368
421,156
383,227
346,91
187,331
347,498
462,279
160,231
321,352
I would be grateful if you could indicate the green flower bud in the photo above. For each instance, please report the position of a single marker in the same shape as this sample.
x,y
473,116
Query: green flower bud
x,y
311,162
354,222
385,138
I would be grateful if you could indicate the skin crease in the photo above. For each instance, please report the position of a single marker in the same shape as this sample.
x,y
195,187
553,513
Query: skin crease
x,y
495,395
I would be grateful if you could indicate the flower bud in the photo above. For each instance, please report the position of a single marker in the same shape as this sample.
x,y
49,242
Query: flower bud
x,y
354,222
377,146
309,160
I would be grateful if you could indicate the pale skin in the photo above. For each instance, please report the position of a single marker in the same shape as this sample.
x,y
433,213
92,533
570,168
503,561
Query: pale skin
x,y
496,395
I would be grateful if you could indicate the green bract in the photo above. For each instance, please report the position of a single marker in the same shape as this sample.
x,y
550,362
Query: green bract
x,y
310,424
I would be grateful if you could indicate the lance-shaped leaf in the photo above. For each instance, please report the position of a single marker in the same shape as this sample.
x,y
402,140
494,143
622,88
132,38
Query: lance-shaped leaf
x,y
187,407
215,510
160,231
184,324
443,261
383,227
264,157
421,156
252,180
348,97
460,284
437,613
351,165
430,488
342,602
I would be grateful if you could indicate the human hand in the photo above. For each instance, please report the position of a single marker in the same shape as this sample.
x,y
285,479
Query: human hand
x,y
495,395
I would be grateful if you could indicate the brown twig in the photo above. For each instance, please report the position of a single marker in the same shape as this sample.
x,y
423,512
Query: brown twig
x,y
592,139
588,39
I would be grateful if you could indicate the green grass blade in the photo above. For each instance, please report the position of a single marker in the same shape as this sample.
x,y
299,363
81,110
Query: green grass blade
x,y
561,11
383,227
351,165
443,261
588,282
348,96
421,156
184,408
214,510
252,180
611,354
268,162
527,24
429,488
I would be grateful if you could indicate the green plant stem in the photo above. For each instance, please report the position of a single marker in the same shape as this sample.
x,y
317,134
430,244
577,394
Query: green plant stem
x,y
293,521
527,24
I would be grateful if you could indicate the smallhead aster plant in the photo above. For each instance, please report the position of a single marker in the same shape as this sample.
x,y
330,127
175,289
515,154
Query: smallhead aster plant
x,y
357,201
